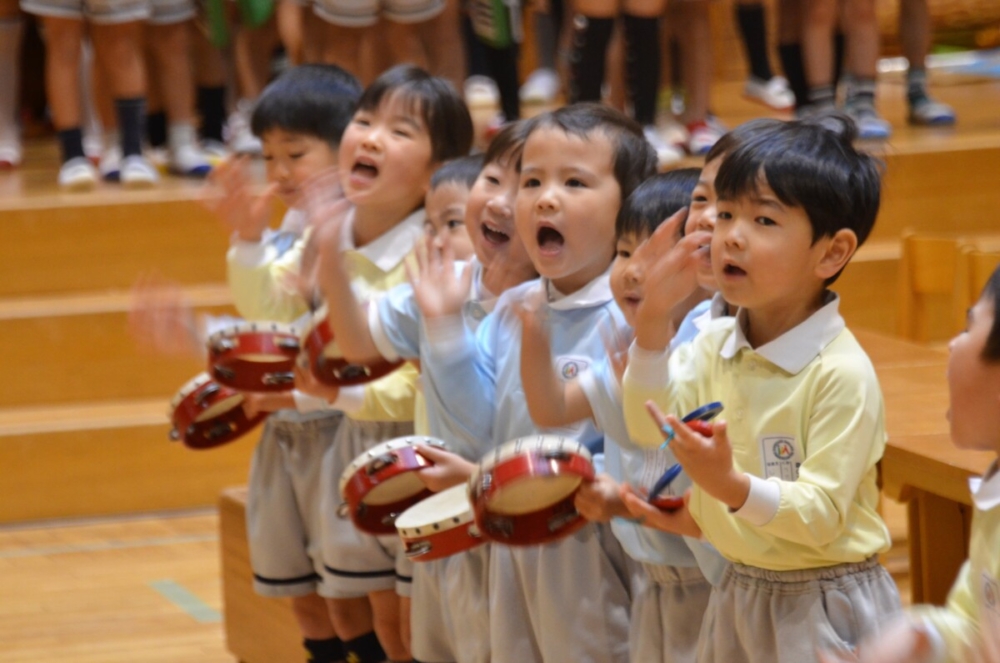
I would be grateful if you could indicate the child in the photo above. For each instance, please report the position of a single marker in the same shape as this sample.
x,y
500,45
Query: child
x,y
446,201
968,627
792,503
567,600
407,123
450,616
673,592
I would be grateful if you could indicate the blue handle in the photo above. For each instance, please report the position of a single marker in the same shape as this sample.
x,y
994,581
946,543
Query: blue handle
x,y
664,481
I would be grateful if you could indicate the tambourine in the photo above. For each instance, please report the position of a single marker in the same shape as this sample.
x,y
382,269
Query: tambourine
x,y
522,493
700,421
326,362
206,414
254,356
439,526
381,483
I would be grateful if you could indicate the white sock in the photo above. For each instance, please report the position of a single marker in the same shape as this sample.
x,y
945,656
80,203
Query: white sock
x,y
181,134
11,32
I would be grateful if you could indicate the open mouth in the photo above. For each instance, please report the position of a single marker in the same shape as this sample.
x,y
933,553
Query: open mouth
x,y
494,235
365,168
733,270
550,239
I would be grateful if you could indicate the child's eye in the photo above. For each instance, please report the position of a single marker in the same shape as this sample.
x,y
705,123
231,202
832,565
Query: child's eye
x,y
764,221
492,180
454,224
624,253
402,133
268,157
574,182
695,200
530,183
296,156
723,216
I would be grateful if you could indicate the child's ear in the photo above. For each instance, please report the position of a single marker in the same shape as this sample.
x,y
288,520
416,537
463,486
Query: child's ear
x,y
839,249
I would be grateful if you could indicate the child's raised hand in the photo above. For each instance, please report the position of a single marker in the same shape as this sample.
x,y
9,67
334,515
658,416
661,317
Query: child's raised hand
x,y
708,460
679,521
438,289
616,343
231,196
449,469
599,500
668,264
161,319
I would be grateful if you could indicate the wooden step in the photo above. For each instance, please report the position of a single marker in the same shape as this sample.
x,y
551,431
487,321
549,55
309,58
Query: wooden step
x,y
78,348
104,459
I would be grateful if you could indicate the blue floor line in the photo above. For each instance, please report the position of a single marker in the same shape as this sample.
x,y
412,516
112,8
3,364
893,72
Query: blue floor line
x,y
186,601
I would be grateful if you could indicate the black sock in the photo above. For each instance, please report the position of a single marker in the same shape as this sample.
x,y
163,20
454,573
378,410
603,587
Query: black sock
x,y
330,650
791,63
71,143
502,64
131,113
156,129
590,46
364,649
754,31
839,50
642,66
212,109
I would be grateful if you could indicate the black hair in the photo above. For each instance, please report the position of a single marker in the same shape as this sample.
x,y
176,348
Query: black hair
x,y
316,100
736,137
434,99
991,350
634,157
463,170
812,165
506,146
656,200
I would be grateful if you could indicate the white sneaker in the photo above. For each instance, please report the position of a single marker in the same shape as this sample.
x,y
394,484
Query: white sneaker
x,y
667,154
926,113
774,93
78,174
871,125
10,153
241,140
137,172
703,135
110,163
214,151
189,161
481,92
542,87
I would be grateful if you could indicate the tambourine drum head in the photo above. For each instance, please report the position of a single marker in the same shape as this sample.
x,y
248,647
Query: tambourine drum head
x,y
225,405
263,358
440,507
396,489
532,494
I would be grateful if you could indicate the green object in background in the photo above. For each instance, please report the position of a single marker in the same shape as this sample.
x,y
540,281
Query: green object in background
x,y
255,13
491,21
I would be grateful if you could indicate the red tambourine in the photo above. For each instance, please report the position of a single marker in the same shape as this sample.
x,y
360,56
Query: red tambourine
x,y
381,483
326,362
522,493
254,356
206,414
439,526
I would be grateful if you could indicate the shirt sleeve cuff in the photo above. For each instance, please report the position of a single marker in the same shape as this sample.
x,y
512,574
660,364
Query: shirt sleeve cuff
x,y
306,403
350,399
251,254
939,650
446,335
762,502
647,368
377,331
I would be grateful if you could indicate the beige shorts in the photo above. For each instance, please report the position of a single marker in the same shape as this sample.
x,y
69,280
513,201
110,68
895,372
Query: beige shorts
x,y
667,611
365,13
105,12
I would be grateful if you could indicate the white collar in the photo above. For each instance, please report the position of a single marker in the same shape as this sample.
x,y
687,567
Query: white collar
x,y
390,248
595,293
718,308
294,221
986,489
793,350
480,294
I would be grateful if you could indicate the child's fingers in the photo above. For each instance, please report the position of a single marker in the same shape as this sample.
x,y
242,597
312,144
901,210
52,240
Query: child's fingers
x,y
661,421
434,453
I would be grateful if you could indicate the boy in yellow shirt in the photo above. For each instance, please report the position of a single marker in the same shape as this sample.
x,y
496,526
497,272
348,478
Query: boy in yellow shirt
x,y
786,488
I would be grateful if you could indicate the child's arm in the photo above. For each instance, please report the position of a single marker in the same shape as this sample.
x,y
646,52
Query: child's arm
x,y
449,469
600,500
245,213
551,402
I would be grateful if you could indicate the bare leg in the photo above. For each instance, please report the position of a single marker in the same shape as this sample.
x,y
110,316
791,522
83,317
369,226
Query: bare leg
x,y
914,31
819,21
386,611
341,46
289,16
440,36
313,618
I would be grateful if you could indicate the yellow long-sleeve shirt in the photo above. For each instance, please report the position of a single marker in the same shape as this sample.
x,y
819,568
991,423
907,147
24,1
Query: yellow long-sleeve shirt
x,y
264,287
806,422
968,627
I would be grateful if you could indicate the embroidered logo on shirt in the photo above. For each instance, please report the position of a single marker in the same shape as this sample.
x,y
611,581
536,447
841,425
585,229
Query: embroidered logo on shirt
x,y
570,368
991,593
781,457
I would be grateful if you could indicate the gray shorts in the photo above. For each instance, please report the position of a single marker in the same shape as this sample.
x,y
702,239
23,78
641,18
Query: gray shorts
x,y
285,524
170,12
760,616
365,13
359,562
450,617
667,610
563,601
106,12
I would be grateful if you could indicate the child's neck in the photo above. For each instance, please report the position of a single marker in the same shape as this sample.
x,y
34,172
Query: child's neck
x,y
765,325
373,221
499,278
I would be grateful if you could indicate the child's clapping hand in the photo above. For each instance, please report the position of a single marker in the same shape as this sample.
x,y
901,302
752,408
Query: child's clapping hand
x,y
599,500
673,522
439,290
161,318
232,197
708,460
